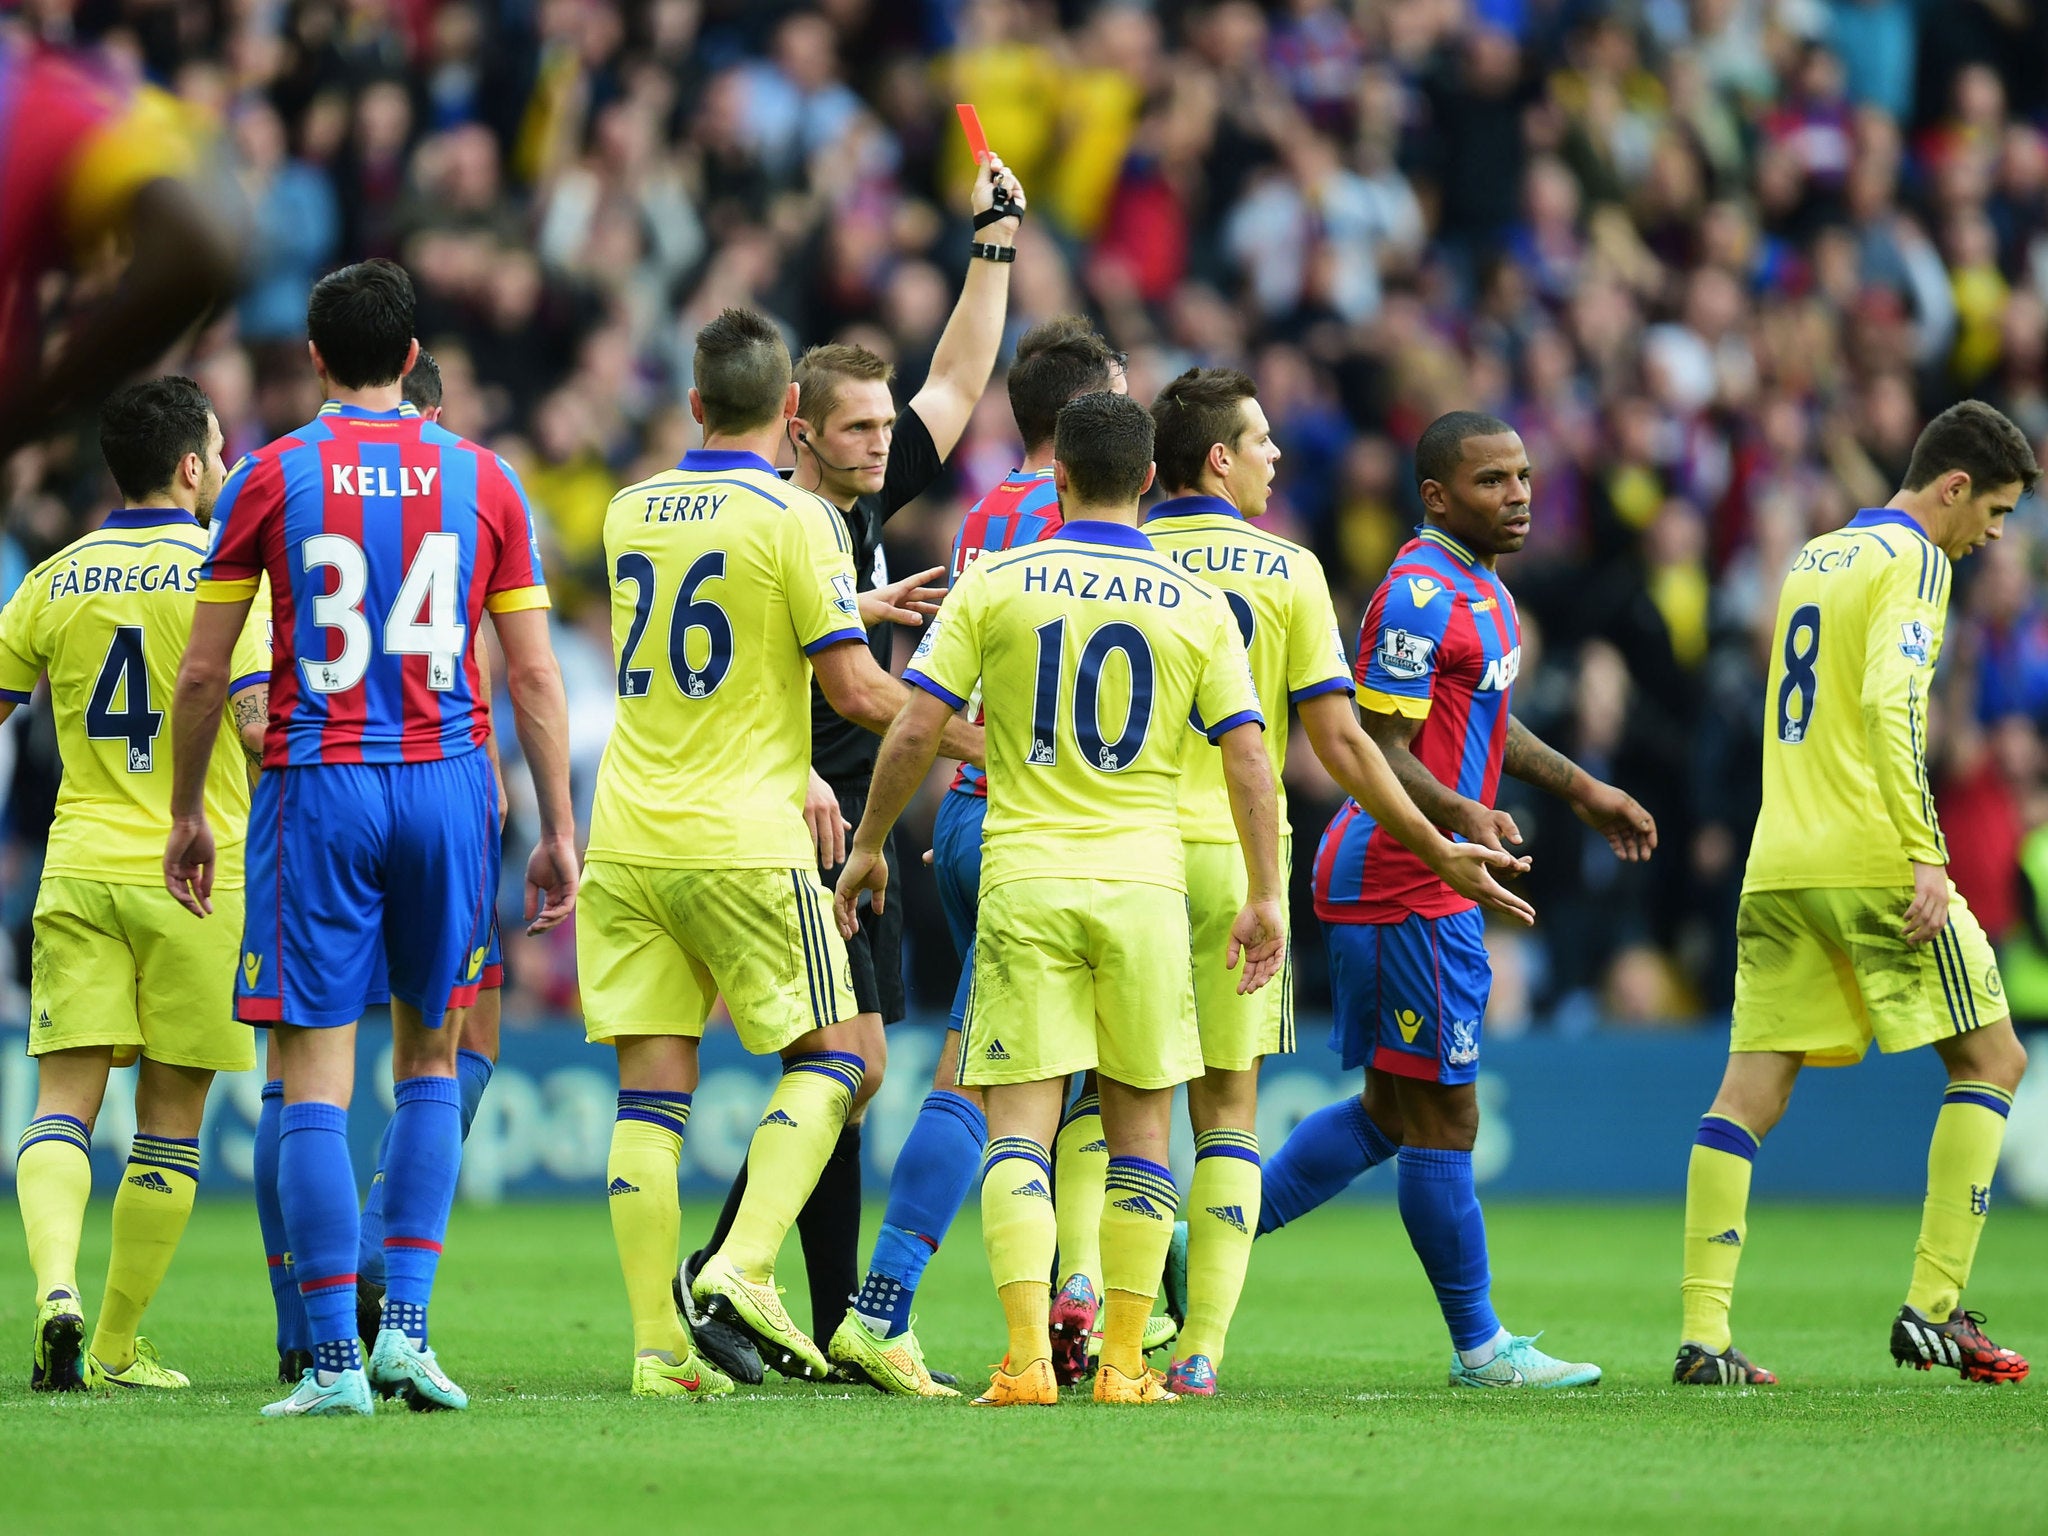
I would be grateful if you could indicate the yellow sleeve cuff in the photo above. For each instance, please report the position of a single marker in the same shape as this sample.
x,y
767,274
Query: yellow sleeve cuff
x,y
218,589
517,600
1393,704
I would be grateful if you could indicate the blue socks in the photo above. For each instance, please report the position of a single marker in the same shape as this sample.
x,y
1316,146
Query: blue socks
x,y
277,1250
316,1189
1319,1160
473,1073
939,1163
425,1148
1441,1211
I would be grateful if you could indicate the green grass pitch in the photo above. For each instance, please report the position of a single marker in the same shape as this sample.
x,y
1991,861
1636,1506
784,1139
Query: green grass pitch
x,y
1337,1417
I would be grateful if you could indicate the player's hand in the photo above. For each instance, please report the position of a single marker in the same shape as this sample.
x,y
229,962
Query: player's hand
x,y
987,172
1628,828
865,871
188,864
910,601
1927,912
551,878
1259,936
1489,828
1470,870
828,826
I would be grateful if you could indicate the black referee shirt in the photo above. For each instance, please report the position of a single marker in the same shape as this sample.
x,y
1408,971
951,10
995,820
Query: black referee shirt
x,y
842,752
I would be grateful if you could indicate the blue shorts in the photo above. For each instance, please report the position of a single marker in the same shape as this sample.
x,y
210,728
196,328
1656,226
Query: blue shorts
x,y
493,972
1411,995
354,868
956,859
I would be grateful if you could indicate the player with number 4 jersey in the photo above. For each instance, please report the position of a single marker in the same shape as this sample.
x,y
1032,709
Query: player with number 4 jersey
x,y
1849,929
385,539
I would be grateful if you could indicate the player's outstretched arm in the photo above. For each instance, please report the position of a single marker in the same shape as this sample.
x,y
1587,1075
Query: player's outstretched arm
x,y
1629,829
855,686
966,353
1260,933
540,712
908,748
1361,771
196,709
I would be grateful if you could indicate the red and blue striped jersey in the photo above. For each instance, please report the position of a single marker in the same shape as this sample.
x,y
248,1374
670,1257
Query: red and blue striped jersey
x,y
385,538
1022,510
1441,643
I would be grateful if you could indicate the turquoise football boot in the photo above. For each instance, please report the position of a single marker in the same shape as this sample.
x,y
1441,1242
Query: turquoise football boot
x,y
1519,1363
348,1394
399,1367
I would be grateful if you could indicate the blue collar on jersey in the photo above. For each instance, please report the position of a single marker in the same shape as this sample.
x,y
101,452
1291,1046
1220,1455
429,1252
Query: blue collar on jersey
x,y
709,461
1878,517
148,517
1028,476
1088,531
1194,506
406,411
1429,533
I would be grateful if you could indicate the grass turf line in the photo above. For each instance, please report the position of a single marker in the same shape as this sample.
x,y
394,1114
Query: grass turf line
x,y
1336,1413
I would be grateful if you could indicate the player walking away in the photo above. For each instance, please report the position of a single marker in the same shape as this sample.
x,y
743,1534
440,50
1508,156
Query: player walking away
x,y
1082,939
940,1158
703,875
855,451
1216,458
85,159
1436,668
1849,928
385,540
118,970
477,1029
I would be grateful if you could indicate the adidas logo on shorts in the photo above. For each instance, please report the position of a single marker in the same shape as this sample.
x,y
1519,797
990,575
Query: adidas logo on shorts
x,y
43,1019
778,1117
619,1187
995,1052
1138,1205
152,1181
1035,1187
1729,1239
1229,1215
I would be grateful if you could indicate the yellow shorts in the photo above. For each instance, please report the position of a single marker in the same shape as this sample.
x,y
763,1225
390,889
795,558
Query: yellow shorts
x,y
1824,971
656,948
1236,1031
126,966
1074,974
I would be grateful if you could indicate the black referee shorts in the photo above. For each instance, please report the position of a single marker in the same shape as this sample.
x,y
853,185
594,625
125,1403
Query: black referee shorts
x,y
875,953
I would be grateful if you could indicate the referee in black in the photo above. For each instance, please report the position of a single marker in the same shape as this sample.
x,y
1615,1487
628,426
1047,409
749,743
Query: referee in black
x,y
854,450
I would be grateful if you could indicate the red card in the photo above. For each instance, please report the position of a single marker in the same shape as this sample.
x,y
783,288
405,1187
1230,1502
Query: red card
x,y
970,123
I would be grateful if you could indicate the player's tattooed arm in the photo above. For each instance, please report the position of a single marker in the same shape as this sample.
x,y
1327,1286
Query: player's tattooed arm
x,y
252,719
1629,829
1435,799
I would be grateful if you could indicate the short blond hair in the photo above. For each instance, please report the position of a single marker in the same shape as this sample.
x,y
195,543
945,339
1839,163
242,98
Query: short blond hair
x,y
823,372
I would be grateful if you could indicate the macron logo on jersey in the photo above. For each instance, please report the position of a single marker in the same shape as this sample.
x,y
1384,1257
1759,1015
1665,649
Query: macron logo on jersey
x,y
1423,590
375,480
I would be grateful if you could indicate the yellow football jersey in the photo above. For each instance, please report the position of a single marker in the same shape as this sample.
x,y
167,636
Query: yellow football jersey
x,y
725,580
1281,601
107,618
1093,653
1846,796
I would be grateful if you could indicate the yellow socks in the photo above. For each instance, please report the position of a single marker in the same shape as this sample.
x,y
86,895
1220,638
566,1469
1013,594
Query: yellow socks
x,y
640,1183
1137,1228
1018,1229
151,1207
1082,1158
53,1181
1960,1161
1222,1215
788,1152
1716,1217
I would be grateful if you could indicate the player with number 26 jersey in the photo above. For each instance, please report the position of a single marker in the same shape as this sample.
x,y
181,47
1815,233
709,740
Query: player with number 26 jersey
x,y
385,537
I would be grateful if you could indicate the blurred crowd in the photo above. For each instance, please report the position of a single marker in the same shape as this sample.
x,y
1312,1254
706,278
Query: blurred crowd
x,y
1717,260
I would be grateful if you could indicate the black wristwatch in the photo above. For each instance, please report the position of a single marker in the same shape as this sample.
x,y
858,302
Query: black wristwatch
x,y
983,251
